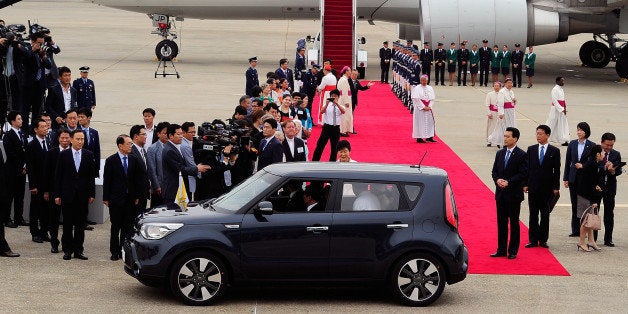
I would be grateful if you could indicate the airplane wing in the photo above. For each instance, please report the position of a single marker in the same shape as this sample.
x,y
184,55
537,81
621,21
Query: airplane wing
x,y
6,3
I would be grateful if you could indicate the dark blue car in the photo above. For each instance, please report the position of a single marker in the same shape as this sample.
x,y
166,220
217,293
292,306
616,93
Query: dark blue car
x,y
308,222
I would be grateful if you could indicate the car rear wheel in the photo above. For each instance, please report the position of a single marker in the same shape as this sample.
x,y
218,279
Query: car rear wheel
x,y
417,280
198,278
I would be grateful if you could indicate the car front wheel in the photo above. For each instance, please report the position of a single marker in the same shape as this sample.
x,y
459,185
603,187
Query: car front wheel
x,y
198,278
417,280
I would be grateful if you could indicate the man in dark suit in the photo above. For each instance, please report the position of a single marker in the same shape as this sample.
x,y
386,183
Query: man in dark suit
x,y
56,104
509,174
5,249
576,157
385,54
309,84
517,64
252,79
440,60
270,149
284,72
612,167
154,163
293,147
463,64
311,199
35,159
85,90
485,62
426,56
542,185
121,177
75,189
138,137
92,139
34,84
174,164
355,86
12,76
63,140
15,147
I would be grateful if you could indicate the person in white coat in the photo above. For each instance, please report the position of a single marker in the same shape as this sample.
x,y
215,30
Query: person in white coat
x,y
506,99
423,124
346,123
557,120
495,127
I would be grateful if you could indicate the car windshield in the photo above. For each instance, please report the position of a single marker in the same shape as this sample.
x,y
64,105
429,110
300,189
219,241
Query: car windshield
x,y
245,192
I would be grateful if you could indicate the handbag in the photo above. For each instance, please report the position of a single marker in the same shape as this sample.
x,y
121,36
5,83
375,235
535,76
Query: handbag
x,y
591,219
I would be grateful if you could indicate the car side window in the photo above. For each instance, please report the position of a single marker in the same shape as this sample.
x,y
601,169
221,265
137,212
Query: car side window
x,y
370,196
299,196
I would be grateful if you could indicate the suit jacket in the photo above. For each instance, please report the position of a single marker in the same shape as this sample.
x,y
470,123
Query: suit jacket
x,y
543,178
517,57
70,183
272,153
135,153
289,77
35,164
463,55
611,179
18,65
485,55
94,146
33,64
251,80
385,54
299,66
571,158
85,93
426,57
16,153
50,167
120,188
55,105
355,87
298,156
515,172
173,163
155,168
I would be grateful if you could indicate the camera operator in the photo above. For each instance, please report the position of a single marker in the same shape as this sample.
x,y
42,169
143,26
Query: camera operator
x,y
34,79
51,48
12,52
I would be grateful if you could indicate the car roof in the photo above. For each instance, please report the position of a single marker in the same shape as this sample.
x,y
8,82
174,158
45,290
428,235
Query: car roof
x,y
355,170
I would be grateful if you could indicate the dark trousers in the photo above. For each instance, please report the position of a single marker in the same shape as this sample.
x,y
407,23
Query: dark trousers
x,y
440,73
53,223
329,133
38,216
539,206
32,102
575,221
140,208
609,218
156,200
484,70
10,96
427,70
4,246
15,188
122,216
508,211
462,72
74,218
385,69
516,76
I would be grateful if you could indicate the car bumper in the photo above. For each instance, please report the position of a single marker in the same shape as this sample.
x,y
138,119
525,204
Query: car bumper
x,y
459,264
144,260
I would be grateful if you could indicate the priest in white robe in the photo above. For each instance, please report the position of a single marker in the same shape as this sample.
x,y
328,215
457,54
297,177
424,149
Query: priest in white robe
x,y
557,120
423,118
506,99
346,123
495,127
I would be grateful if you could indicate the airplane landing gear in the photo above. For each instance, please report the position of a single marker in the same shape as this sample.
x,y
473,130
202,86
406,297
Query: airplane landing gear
x,y
166,50
621,66
595,54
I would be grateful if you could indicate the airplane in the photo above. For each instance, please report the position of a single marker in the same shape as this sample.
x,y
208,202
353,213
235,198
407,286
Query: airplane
x,y
533,22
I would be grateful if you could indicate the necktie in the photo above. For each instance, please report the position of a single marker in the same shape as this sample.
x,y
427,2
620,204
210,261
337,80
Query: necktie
x,y
508,152
77,160
263,144
43,145
125,165
541,155
85,81
87,136
605,157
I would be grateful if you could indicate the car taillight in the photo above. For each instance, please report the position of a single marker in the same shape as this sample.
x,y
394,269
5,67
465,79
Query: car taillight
x,y
450,211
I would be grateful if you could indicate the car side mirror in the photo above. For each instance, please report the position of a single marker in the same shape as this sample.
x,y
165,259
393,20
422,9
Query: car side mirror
x,y
264,208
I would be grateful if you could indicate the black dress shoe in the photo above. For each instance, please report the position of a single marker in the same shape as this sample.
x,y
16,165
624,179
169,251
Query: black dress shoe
x,y
88,227
544,245
431,139
499,146
498,254
420,140
37,239
114,257
574,235
529,245
488,145
512,256
80,256
564,144
9,253
67,256
609,244
54,250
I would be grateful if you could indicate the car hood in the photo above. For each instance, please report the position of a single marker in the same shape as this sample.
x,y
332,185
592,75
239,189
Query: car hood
x,y
195,214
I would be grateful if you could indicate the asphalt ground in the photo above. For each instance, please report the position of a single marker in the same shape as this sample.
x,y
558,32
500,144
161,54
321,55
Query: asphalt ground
x,y
118,47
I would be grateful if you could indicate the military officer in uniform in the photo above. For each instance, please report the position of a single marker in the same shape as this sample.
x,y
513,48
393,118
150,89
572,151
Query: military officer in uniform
x,y
517,62
463,63
426,56
485,62
309,84
251,76
440,60
415,75
385,54
85,90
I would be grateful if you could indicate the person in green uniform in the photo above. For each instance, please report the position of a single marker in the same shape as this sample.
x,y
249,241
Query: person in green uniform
x,y
496,58
505,62
474,62
529,62
452,59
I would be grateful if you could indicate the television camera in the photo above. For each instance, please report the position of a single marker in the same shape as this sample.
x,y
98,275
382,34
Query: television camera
x,y
214,136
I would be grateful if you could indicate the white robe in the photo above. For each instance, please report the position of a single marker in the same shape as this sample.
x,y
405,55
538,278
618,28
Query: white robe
x,y
328,80
423,120
346,122
495,127
504,96
557,120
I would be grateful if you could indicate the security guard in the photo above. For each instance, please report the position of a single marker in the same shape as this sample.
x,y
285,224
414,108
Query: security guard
x,y
485,62
309,84
463,63
440,60
85,90
517,64
415,76
426,56
252,78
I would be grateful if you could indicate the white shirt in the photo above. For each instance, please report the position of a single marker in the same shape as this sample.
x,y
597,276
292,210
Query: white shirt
x,y
67,97
139,148
149,136
309,207
291,145
332,114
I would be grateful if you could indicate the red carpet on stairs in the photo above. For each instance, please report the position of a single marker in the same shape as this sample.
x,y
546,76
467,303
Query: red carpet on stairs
x,y
338,32
384,129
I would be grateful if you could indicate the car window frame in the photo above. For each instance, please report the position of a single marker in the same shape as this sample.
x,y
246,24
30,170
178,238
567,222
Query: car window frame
x,y
403,197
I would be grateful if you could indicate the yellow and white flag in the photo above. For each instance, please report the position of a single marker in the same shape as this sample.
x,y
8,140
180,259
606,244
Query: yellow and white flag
x,y
182,196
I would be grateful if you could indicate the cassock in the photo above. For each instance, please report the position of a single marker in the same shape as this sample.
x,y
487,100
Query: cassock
x,y
495,127
328,83
506,99
346,122
423,120
557,120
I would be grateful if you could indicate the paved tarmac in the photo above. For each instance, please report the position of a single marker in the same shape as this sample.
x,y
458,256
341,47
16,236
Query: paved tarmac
x,y
118,47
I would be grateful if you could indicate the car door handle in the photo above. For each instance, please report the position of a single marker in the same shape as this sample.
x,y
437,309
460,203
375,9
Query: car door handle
x,y
317,229
396,226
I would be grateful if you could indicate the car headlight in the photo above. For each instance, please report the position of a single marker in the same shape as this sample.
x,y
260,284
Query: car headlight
x,y
156,231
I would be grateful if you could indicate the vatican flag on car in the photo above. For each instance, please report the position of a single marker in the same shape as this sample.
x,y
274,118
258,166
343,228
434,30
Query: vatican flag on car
x,y
182,195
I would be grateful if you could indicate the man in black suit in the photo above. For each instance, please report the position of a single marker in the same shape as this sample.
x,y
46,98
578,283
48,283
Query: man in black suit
x,y
485,62
173,163
138,137
5,249
440,60
385,54
75,189
355,86
463,64
612,167
92,139
509,174
270,149
426,56
542,185
121,177
252,78
15,147
12,76
517,63
293,147
576,156
56,103
35,159
284,72
63,140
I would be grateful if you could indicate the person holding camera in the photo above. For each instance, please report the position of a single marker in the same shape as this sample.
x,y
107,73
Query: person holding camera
x,y
12,52
331,115
34,79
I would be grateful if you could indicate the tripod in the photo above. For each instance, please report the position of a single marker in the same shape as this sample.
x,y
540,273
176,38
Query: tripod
x,y
163,63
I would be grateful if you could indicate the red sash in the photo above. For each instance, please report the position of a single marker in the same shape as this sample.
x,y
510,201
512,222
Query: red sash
x,y
562,103
509,105
492,107
426,103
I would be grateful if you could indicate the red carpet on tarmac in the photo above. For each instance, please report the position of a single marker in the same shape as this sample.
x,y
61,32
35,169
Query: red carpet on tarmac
x,y
385,135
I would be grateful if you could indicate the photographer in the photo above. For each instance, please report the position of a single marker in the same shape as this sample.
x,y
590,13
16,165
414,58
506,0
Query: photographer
x,y
34,79
12,52
331,112
52,74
